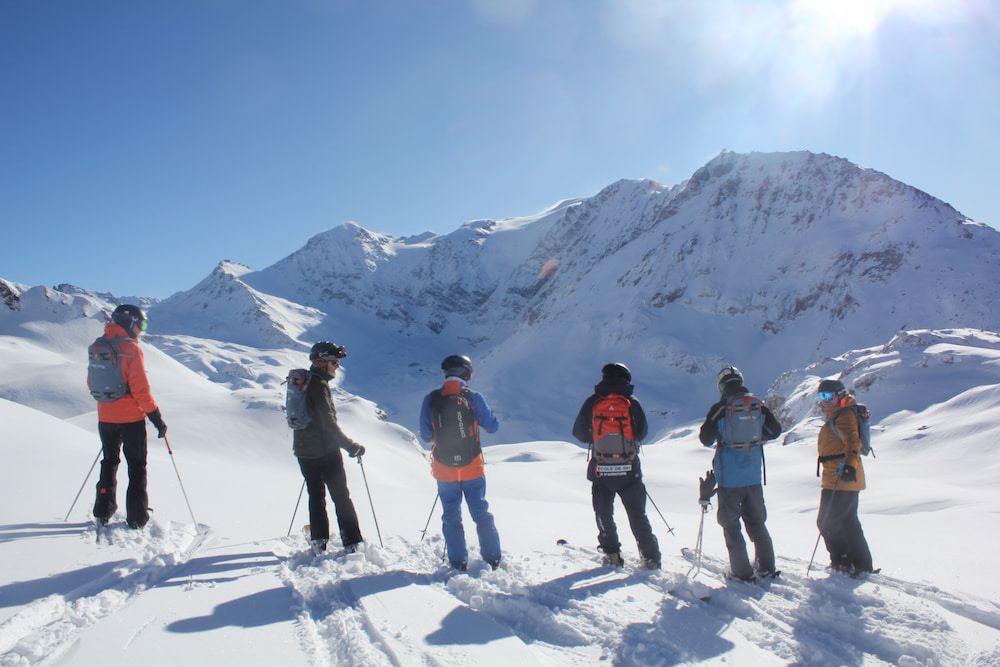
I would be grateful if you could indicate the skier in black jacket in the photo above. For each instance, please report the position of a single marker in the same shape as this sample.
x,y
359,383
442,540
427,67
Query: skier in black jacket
x,y
624,479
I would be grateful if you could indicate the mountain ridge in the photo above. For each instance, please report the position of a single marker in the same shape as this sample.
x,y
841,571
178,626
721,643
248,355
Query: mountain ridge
x,y
769,261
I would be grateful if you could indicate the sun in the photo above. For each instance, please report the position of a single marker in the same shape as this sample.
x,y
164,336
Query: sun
x,y
848,18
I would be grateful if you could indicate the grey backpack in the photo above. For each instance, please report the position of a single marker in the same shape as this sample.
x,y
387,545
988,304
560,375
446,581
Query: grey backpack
x,y
104,370
742,424
296,412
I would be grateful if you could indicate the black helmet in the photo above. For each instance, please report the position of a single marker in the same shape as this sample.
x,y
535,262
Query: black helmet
x,y
834,387
616,370
128,316
457,365
727,375
325,350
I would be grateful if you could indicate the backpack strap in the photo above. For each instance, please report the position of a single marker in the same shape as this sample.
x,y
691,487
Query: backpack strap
x,y
832,422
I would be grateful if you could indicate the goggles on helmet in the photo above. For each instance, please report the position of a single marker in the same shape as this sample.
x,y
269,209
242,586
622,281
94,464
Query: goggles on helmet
x,y
826,396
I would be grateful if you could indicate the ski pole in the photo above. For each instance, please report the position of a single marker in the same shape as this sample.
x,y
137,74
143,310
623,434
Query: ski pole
x,y
368,491
292,522
197,528
99,451
423,533
696,565
669,529
822,524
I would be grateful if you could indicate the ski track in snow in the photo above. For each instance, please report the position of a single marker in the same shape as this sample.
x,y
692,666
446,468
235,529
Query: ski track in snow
x,y
556,607
632,616
828,618
48,628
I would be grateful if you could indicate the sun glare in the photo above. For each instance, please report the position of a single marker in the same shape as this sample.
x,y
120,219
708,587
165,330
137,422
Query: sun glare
x,y
845,17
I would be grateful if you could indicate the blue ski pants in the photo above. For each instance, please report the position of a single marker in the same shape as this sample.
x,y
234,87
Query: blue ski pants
x,y
474,491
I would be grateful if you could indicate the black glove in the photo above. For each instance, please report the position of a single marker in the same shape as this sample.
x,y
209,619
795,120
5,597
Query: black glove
x,y
358,452
847,473
707,486
156,420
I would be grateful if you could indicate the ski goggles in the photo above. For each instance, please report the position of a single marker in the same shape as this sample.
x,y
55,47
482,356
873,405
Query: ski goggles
x,y
826,396
143,324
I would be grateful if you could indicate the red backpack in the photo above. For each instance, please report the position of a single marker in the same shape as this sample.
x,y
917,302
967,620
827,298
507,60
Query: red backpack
x,y
612,428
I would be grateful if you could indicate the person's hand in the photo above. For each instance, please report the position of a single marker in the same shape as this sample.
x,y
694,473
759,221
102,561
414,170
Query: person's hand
x,y
358,452
706,487
157,421
847,473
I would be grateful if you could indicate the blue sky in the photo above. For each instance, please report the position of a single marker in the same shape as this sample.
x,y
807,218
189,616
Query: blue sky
x,y
143,142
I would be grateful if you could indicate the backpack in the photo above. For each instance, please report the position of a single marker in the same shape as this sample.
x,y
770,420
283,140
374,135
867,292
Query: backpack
x,y
105,373
456,431
296,412
864,426
612,428
742,424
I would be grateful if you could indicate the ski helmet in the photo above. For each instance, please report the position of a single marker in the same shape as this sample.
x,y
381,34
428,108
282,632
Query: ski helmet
x,y
727,375
835,387
616,370
128,316
457,365
326,350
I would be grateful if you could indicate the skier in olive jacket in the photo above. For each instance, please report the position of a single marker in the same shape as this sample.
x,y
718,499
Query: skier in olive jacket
x,y
843,478
318,446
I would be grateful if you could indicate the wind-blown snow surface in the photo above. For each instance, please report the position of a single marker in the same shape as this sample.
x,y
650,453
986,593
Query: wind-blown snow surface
x,y
241,592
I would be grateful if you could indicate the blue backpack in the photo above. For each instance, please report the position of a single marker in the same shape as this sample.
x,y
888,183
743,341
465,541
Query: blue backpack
x,y
296,412
864,426
104,370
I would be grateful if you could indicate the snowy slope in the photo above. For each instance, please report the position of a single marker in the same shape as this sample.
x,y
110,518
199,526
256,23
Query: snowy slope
x,y
242,592
249,595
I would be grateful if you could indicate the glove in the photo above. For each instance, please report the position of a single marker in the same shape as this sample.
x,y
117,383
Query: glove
x,y
706,487
847,473
156,420
358,452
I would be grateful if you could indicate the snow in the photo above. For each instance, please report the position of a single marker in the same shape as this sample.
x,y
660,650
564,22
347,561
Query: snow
x,y
244,592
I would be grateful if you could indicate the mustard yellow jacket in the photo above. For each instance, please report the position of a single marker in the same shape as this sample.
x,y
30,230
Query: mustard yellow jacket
x,y
833,452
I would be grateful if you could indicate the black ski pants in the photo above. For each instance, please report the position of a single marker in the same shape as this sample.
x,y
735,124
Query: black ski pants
x,y
841,529
745,503
118,439
633,495
325,473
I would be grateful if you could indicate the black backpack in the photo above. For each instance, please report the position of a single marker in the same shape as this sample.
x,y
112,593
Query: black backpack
x,y
456,431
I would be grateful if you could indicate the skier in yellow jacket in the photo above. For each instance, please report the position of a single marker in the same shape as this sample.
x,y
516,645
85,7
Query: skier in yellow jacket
x,y
843,477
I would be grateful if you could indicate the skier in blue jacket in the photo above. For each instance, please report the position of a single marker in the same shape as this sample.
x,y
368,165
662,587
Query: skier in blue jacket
x,y
738,473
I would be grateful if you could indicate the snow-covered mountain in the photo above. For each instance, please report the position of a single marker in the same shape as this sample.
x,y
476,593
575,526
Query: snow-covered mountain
x,y
793,266
768,261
